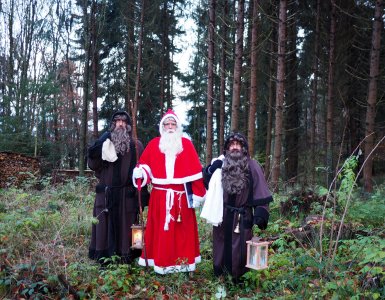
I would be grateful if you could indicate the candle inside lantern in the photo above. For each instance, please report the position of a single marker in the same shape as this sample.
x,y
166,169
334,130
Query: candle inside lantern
x,y
138,239
137,234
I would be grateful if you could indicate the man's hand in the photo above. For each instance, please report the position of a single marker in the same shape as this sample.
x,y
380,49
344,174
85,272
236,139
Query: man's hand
x,y
197,202
137,173
260,222
215,165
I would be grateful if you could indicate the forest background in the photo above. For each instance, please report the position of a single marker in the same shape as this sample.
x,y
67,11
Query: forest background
x,y
303,80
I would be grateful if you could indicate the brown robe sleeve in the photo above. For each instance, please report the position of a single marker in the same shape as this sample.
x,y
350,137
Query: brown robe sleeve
x,y
261,196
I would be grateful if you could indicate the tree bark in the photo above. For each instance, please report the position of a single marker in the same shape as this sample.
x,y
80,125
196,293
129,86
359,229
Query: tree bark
x,y
238,67
269,126
291,108
86,80
372,95
11,63
330,96
139,63
129,53
28,33
210,83
280,94
314,97
163,63
94,66
221,137
253,79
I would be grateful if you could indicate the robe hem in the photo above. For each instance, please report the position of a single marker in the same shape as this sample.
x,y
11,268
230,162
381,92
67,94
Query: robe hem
x,y
169,269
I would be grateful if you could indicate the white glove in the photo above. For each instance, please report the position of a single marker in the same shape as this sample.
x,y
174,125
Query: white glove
x,y
197,202
108,151
137,173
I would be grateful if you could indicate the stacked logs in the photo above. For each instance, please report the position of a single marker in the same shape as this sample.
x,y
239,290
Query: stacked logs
x,y
16,169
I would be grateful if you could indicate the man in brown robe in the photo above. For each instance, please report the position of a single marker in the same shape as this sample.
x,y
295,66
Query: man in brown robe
x,y
245,203
113,157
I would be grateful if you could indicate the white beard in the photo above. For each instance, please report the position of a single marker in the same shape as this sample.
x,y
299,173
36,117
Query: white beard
x,y
171,143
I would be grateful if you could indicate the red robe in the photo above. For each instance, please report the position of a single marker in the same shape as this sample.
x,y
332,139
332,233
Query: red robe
x,y
172,246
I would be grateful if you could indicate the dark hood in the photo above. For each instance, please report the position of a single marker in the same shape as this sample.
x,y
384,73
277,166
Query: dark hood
x,y
124,115
236,136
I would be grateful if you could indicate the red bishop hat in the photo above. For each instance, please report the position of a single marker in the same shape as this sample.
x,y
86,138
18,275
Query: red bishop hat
x,y
169,114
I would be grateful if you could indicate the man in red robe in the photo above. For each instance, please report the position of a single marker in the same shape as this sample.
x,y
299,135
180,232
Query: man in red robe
x,y
170,162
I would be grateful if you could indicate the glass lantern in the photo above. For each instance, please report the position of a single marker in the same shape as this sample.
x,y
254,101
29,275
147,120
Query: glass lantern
x,y
137,237
257,254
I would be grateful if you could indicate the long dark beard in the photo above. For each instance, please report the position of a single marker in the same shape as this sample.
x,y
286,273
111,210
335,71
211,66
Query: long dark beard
x,y
121,140
235,172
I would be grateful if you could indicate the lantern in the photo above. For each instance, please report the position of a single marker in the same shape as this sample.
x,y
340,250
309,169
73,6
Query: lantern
x,y
257,253
137,236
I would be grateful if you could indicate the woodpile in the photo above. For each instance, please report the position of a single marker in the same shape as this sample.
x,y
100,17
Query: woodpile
x,y
63,175
16,169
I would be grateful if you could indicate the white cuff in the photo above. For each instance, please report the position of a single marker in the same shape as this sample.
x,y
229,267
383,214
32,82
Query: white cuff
x,y
144,181
197,201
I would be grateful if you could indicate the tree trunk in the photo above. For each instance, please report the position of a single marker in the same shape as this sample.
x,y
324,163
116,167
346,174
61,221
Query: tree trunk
x,y
223,78
94,66
129,53
253,79
170,53
28,35
269,126
138,67
238,67
86,80
280,94
372,95
163,63
330,97
210,83
291,108
314,97
11,62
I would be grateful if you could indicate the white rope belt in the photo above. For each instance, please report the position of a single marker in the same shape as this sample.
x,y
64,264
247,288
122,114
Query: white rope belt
x,y
169,203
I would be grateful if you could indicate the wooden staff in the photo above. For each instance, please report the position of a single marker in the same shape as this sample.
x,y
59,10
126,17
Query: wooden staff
x,y
139,180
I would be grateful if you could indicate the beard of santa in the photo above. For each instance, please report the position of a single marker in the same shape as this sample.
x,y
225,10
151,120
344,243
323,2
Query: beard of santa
x,y
171,142
235,172
120,137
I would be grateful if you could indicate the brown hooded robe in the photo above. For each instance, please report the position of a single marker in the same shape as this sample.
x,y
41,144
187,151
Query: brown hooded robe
x,y
250,207
116,204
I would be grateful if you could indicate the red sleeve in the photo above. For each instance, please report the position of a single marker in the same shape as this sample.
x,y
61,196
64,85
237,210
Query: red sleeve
x,y
198,188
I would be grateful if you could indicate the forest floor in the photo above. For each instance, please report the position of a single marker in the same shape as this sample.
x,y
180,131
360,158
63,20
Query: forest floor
x,y
44,237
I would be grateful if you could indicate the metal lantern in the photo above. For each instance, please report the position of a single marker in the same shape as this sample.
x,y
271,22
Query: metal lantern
x,y
137,237
257,254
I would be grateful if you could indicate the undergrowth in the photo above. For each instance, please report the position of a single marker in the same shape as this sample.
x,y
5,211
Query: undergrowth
x,y
44,236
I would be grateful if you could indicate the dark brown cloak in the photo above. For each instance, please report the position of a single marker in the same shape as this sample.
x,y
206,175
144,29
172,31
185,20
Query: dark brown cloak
x,y
249,207
116,204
